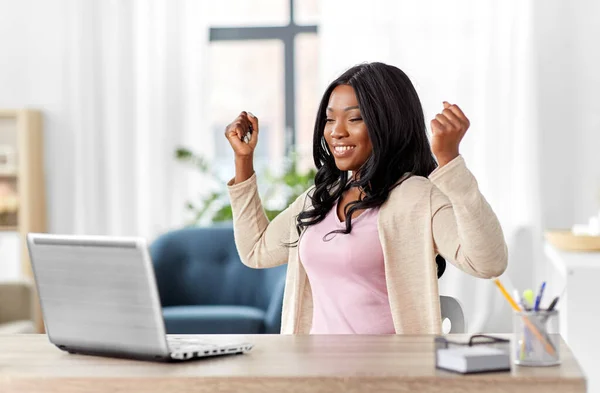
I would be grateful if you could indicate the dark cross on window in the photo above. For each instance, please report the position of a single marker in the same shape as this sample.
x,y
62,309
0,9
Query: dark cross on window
x,y
287,35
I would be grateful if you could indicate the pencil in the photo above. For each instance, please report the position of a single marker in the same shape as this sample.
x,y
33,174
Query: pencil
x,y
514,304
529,324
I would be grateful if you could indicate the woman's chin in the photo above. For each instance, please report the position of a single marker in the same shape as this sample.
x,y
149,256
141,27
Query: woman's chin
x,y
350,162
344,166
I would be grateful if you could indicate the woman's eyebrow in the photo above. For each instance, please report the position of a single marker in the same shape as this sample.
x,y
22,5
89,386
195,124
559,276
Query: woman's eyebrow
x,y
346,109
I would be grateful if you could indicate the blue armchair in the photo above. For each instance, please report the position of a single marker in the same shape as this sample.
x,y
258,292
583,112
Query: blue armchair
x,y
205,289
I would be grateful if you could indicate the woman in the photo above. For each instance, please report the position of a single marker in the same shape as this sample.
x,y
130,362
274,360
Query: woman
x,y
361,244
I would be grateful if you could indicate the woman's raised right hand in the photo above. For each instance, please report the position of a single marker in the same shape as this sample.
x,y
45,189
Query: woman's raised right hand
x,y
242,135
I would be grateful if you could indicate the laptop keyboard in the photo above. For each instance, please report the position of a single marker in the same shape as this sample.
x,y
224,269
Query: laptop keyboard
x,y
189,344
177,344
186,348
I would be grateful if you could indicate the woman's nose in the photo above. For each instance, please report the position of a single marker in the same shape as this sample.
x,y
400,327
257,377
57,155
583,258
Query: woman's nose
x,y
338,130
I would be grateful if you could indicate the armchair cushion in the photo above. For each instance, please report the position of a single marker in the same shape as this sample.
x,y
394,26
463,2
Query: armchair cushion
x,y
214,320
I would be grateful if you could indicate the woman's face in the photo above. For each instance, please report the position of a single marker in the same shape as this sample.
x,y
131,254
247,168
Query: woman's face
x,y
345,131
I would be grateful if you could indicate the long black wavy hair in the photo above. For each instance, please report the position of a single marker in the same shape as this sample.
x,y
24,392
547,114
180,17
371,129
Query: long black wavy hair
x,y
392,112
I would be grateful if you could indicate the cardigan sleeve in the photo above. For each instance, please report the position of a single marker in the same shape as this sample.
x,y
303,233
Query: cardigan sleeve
x,y
466,230
260,243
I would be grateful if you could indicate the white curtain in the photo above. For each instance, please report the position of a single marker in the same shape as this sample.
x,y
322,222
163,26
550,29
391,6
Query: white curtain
x,y
478,55
134,73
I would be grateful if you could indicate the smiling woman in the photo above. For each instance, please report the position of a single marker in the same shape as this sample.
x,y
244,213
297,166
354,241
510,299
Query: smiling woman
x,y
375,111
361,245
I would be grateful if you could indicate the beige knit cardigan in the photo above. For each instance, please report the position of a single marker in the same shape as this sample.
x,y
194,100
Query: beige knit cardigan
x,y
443,214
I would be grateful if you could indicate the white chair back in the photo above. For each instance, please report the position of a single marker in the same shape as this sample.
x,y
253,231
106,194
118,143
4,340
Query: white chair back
x,y
452,310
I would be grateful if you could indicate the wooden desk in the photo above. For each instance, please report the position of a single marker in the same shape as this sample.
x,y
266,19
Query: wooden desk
x,y
28,363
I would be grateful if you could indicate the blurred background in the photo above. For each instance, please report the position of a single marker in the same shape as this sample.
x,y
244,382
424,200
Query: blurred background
x,y
135,96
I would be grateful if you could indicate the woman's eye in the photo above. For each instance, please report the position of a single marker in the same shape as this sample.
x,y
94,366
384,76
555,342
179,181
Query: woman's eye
x,y
328,120
356,119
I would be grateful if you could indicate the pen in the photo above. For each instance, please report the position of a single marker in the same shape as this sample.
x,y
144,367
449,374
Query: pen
x,y
550,309
553,305
538,299
530,325
556,299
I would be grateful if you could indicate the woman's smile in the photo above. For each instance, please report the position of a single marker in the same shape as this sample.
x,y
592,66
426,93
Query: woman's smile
x,y
342,151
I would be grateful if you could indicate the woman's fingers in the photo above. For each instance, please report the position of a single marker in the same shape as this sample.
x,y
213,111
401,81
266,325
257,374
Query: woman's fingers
x,y
243,124
436,127
452,118
239,126
443,122
456,111
253,136
235,140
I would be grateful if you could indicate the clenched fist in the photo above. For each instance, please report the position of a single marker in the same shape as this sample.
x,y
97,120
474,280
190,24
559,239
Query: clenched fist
x,y
242,135
448,128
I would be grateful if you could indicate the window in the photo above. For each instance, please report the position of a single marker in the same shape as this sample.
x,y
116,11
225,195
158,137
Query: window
x,y
244,13
307,97
241,80
258,54
306,12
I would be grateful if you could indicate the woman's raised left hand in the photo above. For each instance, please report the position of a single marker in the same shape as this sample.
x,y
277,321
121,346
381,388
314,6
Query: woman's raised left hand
x,y
448,128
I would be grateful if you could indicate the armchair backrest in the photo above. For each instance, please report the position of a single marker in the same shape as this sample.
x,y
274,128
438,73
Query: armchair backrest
x,y
16,301
201,266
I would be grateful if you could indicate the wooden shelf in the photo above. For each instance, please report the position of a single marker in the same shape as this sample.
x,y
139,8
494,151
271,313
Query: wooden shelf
x,y
10,113
24,131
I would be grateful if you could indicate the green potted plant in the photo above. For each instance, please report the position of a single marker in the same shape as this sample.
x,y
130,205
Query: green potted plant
x,y
215,207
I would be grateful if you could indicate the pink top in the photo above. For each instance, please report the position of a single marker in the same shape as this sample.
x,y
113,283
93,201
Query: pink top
x,y
347,277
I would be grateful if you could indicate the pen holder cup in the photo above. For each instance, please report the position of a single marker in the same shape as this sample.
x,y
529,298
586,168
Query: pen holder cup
x,y
536,338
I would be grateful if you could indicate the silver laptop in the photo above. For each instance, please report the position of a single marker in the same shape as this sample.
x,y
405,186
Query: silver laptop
x,y
99,297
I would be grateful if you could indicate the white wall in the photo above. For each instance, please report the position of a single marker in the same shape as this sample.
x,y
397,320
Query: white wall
x,y
568,109
33,42
568,115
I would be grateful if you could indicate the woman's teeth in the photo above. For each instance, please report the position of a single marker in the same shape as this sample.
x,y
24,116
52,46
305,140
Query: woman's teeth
x,y
341,149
